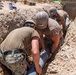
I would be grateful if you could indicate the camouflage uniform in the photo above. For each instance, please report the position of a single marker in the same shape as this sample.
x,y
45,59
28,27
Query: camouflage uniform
x,y
15,47
62,14
52,30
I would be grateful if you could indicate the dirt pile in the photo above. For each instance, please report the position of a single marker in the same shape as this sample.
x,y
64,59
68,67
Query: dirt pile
x,y
40,1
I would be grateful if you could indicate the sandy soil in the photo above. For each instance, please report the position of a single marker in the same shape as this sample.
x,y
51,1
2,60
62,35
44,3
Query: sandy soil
x,y
64,61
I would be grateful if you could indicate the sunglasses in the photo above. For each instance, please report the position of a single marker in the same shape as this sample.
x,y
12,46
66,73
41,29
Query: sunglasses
x,y
29,24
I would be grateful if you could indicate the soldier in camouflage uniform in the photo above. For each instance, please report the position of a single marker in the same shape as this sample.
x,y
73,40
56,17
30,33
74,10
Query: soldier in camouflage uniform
x,y
50,29
14,48
60,16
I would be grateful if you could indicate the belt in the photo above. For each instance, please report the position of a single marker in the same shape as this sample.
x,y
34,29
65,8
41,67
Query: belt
x,y
11,51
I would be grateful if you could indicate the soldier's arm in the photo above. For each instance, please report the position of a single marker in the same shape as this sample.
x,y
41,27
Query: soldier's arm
x,y
36,55
41,40
67,15
63,24
55,40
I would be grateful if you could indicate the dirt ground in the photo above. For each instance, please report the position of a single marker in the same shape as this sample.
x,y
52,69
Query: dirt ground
x,y
64,61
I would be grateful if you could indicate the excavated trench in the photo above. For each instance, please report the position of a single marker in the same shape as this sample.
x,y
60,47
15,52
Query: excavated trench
x,y
64,60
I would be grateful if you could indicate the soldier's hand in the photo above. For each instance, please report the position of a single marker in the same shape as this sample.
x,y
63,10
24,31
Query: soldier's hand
x,y
49,56
39,70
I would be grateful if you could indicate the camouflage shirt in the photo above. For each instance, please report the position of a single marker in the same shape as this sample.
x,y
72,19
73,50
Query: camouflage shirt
x,y
19,38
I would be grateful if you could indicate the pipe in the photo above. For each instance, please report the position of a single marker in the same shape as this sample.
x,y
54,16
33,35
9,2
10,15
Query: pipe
x,y
43,59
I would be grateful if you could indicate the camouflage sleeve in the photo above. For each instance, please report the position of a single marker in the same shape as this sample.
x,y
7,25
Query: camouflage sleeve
x,y
35,34
55,32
